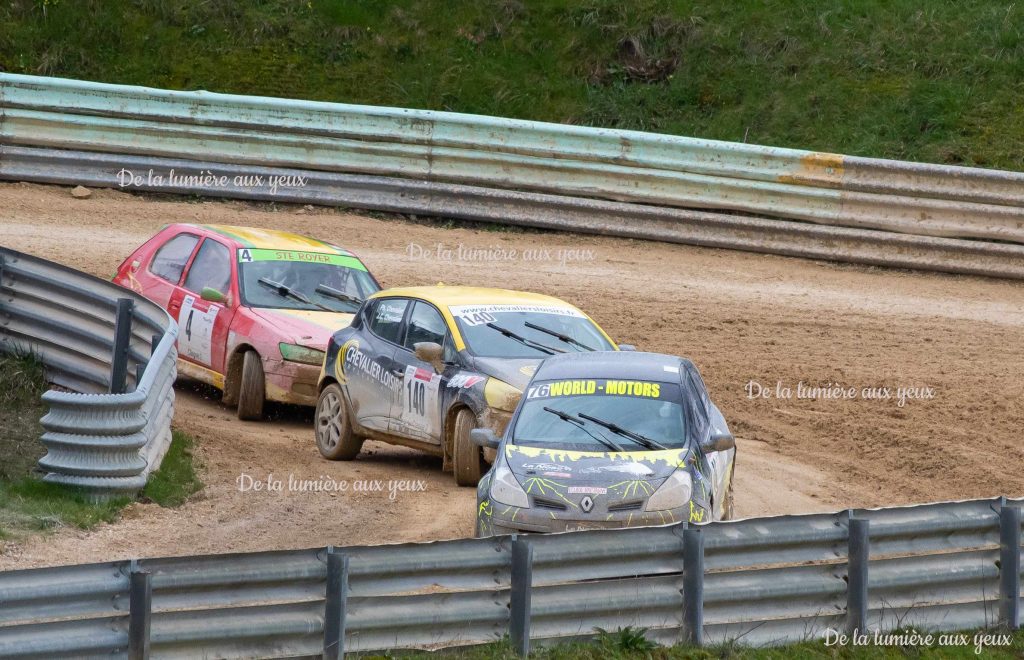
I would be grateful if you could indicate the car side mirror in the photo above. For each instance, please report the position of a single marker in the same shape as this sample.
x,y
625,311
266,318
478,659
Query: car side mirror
x,y
213,295
719,440
484,438
627,347
428,351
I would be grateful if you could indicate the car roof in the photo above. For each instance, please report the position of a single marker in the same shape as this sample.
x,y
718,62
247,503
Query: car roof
x,y
449,296
271,239
611,364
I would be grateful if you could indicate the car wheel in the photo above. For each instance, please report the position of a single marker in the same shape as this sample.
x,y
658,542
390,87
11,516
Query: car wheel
x,y
334,436
252,388
466,456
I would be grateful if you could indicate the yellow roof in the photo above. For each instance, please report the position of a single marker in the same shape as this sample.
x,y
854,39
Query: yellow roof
x,y
445,297
448,296
274,239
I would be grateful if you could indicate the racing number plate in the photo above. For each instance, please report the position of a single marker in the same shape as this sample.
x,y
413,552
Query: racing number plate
x,y
195,332
419,401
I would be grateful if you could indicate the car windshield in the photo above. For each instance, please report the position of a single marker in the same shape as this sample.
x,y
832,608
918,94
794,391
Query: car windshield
x,y
287,279
577,414
527,331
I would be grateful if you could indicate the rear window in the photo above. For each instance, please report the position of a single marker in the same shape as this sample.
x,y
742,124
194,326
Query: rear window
x,y
169,261
386,319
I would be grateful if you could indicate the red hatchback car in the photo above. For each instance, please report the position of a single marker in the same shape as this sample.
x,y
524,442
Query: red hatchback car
x,y
255,307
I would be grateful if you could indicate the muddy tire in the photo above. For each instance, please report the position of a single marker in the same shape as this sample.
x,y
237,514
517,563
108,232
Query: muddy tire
x,y
253,387
333,428
466,457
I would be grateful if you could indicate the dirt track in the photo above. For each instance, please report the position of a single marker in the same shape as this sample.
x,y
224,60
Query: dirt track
x,y
740,317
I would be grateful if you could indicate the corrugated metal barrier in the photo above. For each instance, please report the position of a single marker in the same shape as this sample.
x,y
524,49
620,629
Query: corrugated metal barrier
x,y
112,352
766,581
574,178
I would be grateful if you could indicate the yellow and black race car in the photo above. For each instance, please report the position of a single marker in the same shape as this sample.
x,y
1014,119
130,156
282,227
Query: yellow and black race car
x,y
423,366
608,440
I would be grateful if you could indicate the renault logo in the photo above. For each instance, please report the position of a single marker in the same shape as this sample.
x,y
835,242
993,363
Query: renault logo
x,y
587,504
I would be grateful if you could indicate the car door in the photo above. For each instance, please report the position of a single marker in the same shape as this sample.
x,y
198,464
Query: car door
x,y
417,412
202,324
158,279
372,379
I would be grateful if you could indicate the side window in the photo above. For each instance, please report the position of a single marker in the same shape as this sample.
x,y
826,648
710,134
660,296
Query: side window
x,y
170,259
700,409
425,325
386,318
702,389
211,268
450,355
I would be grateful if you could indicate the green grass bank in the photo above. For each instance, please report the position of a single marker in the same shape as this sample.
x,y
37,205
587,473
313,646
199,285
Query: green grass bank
x,y
940,81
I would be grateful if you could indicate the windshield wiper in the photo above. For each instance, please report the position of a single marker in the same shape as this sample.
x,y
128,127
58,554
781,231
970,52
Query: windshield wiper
x,y
566,417
558,335
337,295
626,433
288,292
523,340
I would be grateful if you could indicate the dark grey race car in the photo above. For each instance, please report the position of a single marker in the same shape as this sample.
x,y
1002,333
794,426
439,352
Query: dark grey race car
x,y
606,440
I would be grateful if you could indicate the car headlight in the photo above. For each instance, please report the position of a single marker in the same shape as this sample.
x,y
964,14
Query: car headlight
x,y
672,494
500,395
505,489
303,354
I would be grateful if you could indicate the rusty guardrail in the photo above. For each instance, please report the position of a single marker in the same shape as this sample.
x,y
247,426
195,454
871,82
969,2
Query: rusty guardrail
x,y
627,183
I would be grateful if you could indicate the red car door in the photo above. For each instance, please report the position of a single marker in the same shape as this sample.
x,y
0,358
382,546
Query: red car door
x,y
203,324
156,268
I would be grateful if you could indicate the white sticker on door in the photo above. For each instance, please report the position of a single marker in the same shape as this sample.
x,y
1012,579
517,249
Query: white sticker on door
x,y
419,401
195,331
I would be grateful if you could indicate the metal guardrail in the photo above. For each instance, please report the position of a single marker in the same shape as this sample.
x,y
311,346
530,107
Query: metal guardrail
x,y
113,353
760,582
625,183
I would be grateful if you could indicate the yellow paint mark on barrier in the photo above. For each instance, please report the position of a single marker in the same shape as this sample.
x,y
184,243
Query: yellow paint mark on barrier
x,y
818,169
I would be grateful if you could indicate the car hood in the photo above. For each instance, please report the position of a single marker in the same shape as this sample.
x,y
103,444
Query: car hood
x,y
515,372
305,327
579,468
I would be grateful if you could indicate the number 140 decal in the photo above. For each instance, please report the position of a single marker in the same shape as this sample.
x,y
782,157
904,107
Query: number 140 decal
x,y
419,399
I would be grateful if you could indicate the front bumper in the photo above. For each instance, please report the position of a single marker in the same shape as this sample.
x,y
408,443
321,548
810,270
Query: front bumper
x,y
291,382
497,519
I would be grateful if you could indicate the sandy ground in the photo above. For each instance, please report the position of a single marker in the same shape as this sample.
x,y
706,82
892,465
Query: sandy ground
x,y
740,317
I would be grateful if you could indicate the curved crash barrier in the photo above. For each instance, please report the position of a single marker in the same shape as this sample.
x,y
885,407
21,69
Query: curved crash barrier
x,y
759,582
112,355
575,178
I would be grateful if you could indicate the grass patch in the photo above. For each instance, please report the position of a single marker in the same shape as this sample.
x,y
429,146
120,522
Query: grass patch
x,y
630,643
30,505
22,383
176,480
935,82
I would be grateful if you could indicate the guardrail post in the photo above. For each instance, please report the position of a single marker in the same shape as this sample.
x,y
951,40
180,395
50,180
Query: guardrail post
x,y
693,586
122,344
1009,567
522,583
140,608
858,553
337,601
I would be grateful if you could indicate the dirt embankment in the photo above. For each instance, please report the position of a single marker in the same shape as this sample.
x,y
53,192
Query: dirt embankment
x,y
953,343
